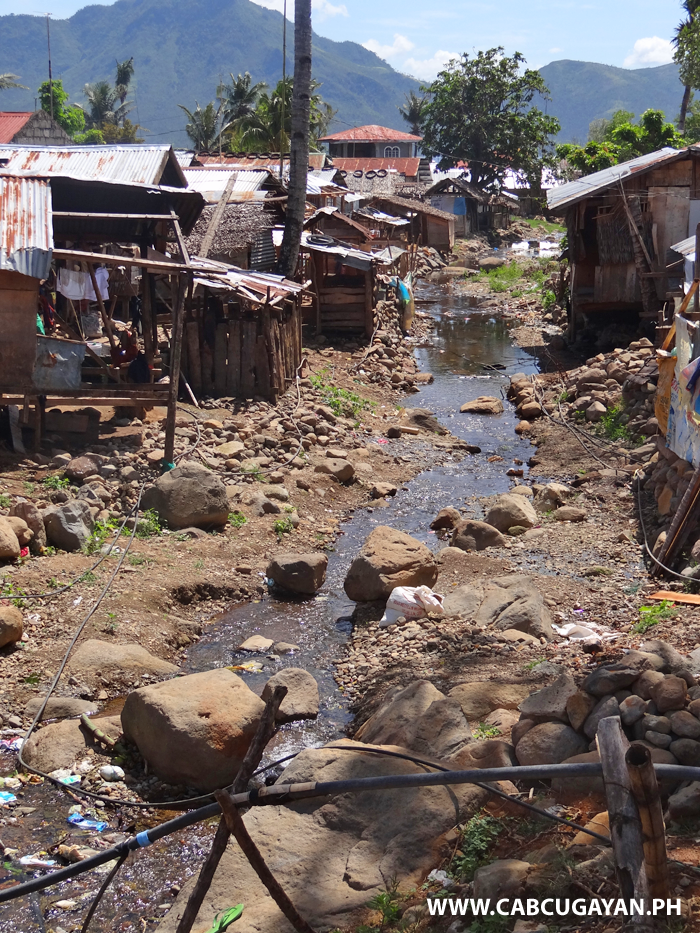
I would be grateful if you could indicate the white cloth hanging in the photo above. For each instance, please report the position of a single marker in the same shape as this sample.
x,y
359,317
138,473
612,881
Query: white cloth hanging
x,y
78,285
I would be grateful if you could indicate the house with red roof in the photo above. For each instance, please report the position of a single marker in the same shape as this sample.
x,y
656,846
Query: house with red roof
x,y
378,154
31,128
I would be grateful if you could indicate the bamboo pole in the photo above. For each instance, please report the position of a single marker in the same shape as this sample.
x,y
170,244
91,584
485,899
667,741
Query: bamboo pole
x,y
266,729
237,828
103,311
184,284
645,790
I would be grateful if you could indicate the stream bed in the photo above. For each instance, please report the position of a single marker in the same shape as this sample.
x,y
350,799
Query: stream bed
x,y
470,354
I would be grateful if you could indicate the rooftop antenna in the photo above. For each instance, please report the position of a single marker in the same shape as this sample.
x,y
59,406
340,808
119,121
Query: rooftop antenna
x,y
48,42
284,89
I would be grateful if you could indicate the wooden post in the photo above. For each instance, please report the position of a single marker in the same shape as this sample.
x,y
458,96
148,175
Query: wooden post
x,y
266,729
237,828
696,270
147,314
645,790
106,323
217,217
175,354
625,823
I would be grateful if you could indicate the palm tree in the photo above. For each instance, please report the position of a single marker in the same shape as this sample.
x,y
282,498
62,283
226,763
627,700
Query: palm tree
x,y
105,105
203,128
413,111
687,55
8,81
299,150
268,127
125,72
240,97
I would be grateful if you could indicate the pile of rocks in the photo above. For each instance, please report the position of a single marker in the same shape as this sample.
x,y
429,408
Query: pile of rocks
x,y
668,477
652,690
428,260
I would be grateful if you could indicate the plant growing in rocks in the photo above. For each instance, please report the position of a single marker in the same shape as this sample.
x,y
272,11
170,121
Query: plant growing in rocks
x,y
478,837
652,615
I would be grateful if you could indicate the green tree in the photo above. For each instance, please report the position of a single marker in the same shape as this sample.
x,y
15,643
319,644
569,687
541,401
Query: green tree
x,y
8,81
125,72
203,127
269,126
480,111
692,122
239,97
686,41
70,116
413,111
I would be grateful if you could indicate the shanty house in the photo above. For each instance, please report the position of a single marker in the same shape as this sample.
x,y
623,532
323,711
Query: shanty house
x,y
31,128
473,209
428,226
621,223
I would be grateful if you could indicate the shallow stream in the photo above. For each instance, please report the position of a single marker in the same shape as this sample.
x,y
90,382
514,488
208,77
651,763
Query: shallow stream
x,y
470,354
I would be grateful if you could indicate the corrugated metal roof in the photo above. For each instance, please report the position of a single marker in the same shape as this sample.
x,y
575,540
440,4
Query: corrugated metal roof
x,y
407,167
582,188
26,230
142,165
371,134
11,122
685,247
211,183
184,157
241,162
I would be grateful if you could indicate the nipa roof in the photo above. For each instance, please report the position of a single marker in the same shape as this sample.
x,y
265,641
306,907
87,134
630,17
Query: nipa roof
x,y
408,204
371,133
238,228
469,191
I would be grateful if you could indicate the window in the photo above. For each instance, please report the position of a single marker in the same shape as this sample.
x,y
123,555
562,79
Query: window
x,y
392,152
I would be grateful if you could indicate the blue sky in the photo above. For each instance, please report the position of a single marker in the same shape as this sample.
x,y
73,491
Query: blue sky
x,y
418,38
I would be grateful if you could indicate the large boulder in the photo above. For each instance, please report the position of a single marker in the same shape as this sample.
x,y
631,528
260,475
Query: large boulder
x,y
102,662
548,744
339,469
23,532
301,701
60,708
299,573
550,702
508,511
60,744
514,602
423,419
11,625
387,559
194,730
80,468
70,525
471,535
332,854
482,697
420,718
9,545
463,601
484,405
189,495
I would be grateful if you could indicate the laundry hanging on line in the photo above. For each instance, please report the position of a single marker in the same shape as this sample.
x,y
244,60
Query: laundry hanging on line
x,y
78,285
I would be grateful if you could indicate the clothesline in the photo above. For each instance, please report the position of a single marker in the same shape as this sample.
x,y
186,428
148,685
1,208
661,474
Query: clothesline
x,y
78,285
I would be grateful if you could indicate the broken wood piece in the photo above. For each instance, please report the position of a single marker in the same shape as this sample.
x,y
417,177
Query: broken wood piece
x,y
689,599
645,789
266,729
237,828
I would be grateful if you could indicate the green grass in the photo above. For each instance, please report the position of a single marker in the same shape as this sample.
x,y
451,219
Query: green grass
x,y
55,482
611,426
549,299
11,591
503,278
253,471
484,731
199,564
100,533
5,501
531,665
28,487
32,679
136,560
388,903
548,225
283,526
652,615
236,519
88,577
341,401
148,524
478,836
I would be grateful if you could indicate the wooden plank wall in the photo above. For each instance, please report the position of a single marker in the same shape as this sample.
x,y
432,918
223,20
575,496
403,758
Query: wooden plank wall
x,y
254,352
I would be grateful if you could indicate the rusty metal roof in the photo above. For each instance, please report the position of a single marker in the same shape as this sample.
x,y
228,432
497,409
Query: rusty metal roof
x,y
211,182
582,188
371,134
143,165
26,231
11,122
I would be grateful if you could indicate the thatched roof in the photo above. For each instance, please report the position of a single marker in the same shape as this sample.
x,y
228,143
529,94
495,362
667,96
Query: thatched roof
x,y
238,228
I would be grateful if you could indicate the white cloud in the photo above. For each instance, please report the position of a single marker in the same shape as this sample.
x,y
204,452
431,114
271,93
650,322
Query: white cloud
x,y
555,49
427,68
322,8
399,46
651,51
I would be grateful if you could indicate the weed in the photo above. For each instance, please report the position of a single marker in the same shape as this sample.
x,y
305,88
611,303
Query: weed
x,y
5,501
596,572
48,551
89,577
496,924
549,299
15,593
283,526
340,401
32,679
236,519
503,278
136,560
531,665
55,482
652,615
148,524
28,487
478,836
100,533
612,427
253,471
199,564
53,583
564,397
484,731
388,904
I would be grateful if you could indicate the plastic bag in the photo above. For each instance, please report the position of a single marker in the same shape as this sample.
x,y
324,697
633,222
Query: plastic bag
x,y
411,602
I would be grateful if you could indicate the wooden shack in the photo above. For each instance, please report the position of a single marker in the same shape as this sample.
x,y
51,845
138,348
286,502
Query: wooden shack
x,y
428,227
621,224
331,222
472,208
342,282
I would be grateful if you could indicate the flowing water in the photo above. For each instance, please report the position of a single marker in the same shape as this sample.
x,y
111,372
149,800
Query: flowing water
x,y
470,354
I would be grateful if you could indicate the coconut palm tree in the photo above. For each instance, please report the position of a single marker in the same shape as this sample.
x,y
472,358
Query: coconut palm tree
x,y
686,41
105,105
299,149
413,111
203,127
125,72
239,97
8,81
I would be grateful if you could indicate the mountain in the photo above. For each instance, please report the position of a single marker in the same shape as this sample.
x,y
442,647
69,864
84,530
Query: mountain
x,y
181,49
584,91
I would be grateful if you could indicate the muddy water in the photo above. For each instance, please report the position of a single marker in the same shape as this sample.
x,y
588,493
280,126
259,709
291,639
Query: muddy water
x,y
466,343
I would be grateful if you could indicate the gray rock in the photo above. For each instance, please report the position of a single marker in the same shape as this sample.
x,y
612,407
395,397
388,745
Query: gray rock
x,y
260,505
302,697
659,739
511,510
80,468
549,743
646,680
607,706
188,495
550,497
685,725
471,535
341,470
569,513
608,679
643,660
515,603
673,659
59,707
685,803
631,710
479,698
550,702
579,706
687,751
32,516
569,789
669,693
280,493
656,723
299,573
70,525
463,601
256,643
